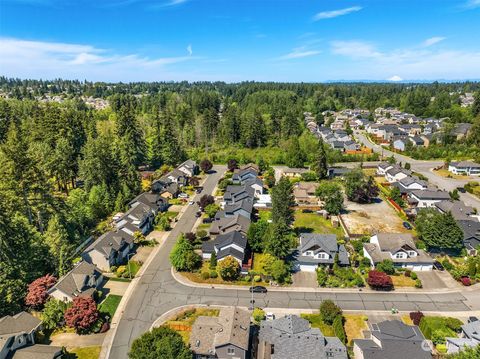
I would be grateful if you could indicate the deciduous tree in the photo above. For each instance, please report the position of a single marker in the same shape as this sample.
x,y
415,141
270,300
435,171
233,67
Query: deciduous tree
x,y
161,342
82,314
37,291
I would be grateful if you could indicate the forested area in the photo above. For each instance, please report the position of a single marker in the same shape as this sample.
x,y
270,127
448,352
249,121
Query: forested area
x,y
64,167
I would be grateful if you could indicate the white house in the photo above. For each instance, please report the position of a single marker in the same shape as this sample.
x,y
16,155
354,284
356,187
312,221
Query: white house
x,y
409,184
468,168
383,167
396,173
189,168
399,248
427,198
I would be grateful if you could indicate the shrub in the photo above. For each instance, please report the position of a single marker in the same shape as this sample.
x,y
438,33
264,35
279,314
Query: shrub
x,y
201,234
247,278
121,270
416,317
37,290
386,266
82,314
418,283
228,268
414,276
338,329
213,261
408,273
428,325
357,246
113,269
52,315
329,310
441,348
322,277
257,278
447,265
453,323
438,336
379,280
205,275
213,274
466,281
258,315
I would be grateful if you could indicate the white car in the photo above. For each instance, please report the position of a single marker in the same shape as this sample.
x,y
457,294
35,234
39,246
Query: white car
x,y
269,316
191,203
183,195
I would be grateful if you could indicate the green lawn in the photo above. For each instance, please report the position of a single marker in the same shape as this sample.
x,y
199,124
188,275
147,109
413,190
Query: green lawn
x,y
171,214
110,304
84,353
317,322
204,227
133,267
266,215
314,223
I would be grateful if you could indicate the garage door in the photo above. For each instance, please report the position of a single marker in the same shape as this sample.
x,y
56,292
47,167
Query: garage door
x,y
308,267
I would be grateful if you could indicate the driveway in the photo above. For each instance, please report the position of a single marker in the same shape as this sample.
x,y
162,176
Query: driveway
x,y
305,279
72,340
437,280
115,287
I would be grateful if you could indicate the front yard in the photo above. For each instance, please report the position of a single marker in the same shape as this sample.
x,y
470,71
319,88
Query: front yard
x,y
354,325
110,304
315,223
183,322
84,353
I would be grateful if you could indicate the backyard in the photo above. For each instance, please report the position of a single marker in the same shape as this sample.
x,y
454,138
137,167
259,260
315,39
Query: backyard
x,y
315,223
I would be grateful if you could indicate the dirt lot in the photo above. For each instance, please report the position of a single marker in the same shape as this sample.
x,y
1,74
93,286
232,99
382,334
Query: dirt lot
x,y
371,218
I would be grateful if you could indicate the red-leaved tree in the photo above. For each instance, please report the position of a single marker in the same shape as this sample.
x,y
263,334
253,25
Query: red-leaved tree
x,y
37,291
379,280
82,314
416,317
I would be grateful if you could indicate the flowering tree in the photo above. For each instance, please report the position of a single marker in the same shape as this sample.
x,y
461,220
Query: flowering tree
x,y
37,290
82,314
379,280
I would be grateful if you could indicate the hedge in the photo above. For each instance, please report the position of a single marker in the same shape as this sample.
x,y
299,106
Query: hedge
x,y
449,326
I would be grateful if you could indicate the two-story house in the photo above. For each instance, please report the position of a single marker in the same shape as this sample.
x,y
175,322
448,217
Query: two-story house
x,y
409,184
235,194
82,281
392,339
224,337
229,244
223,225
243,175
396,173
189,168
111,248
243,208
383,167
140,216
400,248
156,202
293,337
458,209
471,234
256,184
17,338
317,250
304,193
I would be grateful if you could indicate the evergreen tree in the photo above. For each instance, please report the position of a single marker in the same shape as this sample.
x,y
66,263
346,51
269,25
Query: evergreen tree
x,y
60,248
321,166
278,239
282,202
295,157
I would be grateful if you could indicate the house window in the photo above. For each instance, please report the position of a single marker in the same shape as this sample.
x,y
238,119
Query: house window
x,y
308,253
322,255
399,255
231,351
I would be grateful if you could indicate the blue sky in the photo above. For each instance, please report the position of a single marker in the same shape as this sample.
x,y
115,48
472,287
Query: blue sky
x,y
237,40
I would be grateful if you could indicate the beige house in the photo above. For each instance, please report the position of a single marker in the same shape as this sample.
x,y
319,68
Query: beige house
x,y
304,193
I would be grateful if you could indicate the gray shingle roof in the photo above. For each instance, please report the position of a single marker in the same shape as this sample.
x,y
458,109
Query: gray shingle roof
x,y
38,351
113,240
457,208
293,337
76,282
429,194
22,322
321,243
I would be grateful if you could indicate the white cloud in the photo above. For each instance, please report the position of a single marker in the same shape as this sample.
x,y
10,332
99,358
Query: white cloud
x,y
395,78
299,52
408,63
34,59
335,13
433,40
189,50
472,4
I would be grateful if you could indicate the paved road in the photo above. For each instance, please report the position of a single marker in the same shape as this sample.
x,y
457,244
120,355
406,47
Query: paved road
x,y
158,292
425,168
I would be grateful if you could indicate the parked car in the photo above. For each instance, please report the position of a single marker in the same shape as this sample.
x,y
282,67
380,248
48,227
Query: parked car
x,y
269,316
198,214
307,211
191,203
208,220
438,266
258,289
407,225
461,189
199,190
183,195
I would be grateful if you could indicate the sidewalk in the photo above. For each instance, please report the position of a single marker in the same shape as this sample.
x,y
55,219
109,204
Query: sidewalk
x,y
185,281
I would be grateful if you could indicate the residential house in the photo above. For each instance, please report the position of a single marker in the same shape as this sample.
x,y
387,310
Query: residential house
x,y
427,198
293,172
229,244
141,216
111,248
399,248
337,145
304,193
176,176
172,190
383,167
427,139
396,173
153,200
351,146
229,224
417,141
17,338
251,166
392,339
409,184
242,208
467,168
256,184
243,175
234,194
319,250
469,337
189,168
471,235
400,143
292,337
224,337
461,130
458,209
82,281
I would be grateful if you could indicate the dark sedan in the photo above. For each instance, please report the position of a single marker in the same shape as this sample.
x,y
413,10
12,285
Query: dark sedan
x,y
258,289
407,225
